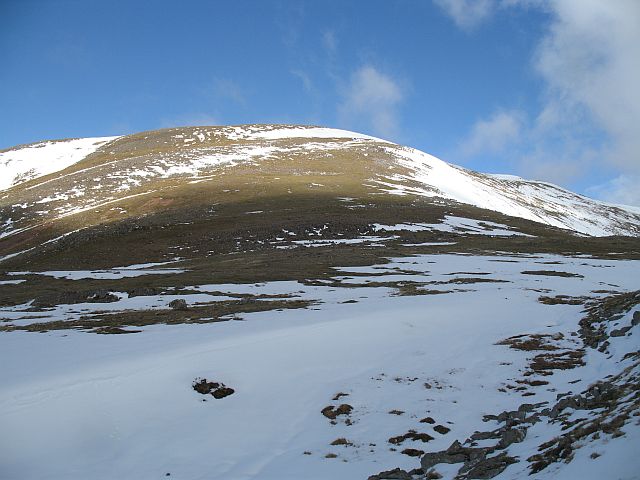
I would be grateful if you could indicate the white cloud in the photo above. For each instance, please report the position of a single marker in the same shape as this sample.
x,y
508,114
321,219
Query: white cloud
x,y
561,167
372,97
493,134
589,59
467,14
225,88
330,41
624,190
304,77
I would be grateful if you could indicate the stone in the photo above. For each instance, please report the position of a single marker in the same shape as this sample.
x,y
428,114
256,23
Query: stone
x,y
395,474
512,435
178,304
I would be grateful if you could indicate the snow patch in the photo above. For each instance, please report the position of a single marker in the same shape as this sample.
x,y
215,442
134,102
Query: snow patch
x,y
25,163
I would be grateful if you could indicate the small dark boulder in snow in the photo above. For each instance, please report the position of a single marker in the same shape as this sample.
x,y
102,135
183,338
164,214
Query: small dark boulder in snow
x,y
178,304
215,389
441,429
412,452
332,412
222,391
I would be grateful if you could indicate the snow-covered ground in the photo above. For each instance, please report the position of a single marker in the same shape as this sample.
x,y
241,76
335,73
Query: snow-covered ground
x,y
38,159
452,223
75,405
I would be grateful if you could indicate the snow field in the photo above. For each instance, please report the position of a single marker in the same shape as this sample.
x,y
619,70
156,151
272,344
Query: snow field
x,y
78,401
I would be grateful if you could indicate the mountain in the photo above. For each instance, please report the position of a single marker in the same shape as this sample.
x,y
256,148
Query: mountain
x,y
128,175
278,301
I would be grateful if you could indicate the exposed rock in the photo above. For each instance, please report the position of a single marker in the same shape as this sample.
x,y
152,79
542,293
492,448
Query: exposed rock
x,y
341,441
511,435
490,467
215,389
222,392
456,453
178,304
411,435
485,435
395,474
412,452
332,412
441,429
620,332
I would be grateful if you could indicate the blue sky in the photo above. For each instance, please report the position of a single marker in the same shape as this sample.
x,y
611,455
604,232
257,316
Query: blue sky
x,y
542,89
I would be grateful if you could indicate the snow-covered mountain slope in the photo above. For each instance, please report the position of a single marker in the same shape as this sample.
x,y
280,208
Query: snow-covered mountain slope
x,y
330,161
26,162
538,201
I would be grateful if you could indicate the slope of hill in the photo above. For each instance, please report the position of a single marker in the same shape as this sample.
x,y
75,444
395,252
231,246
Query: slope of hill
x,y
121,177
283,302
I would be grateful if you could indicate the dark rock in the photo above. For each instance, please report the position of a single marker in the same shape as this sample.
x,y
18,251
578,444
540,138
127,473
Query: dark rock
x,y
215,389
512,435
485,435
456,453
411,435
428,420
412,452
341,441
441,429
490,467
222,392
395,474
332,412
178,304
434,458
204,387
621,332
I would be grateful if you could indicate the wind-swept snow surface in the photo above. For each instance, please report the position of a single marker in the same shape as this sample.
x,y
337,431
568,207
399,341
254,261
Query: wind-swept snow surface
x,y
75,405
31,161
